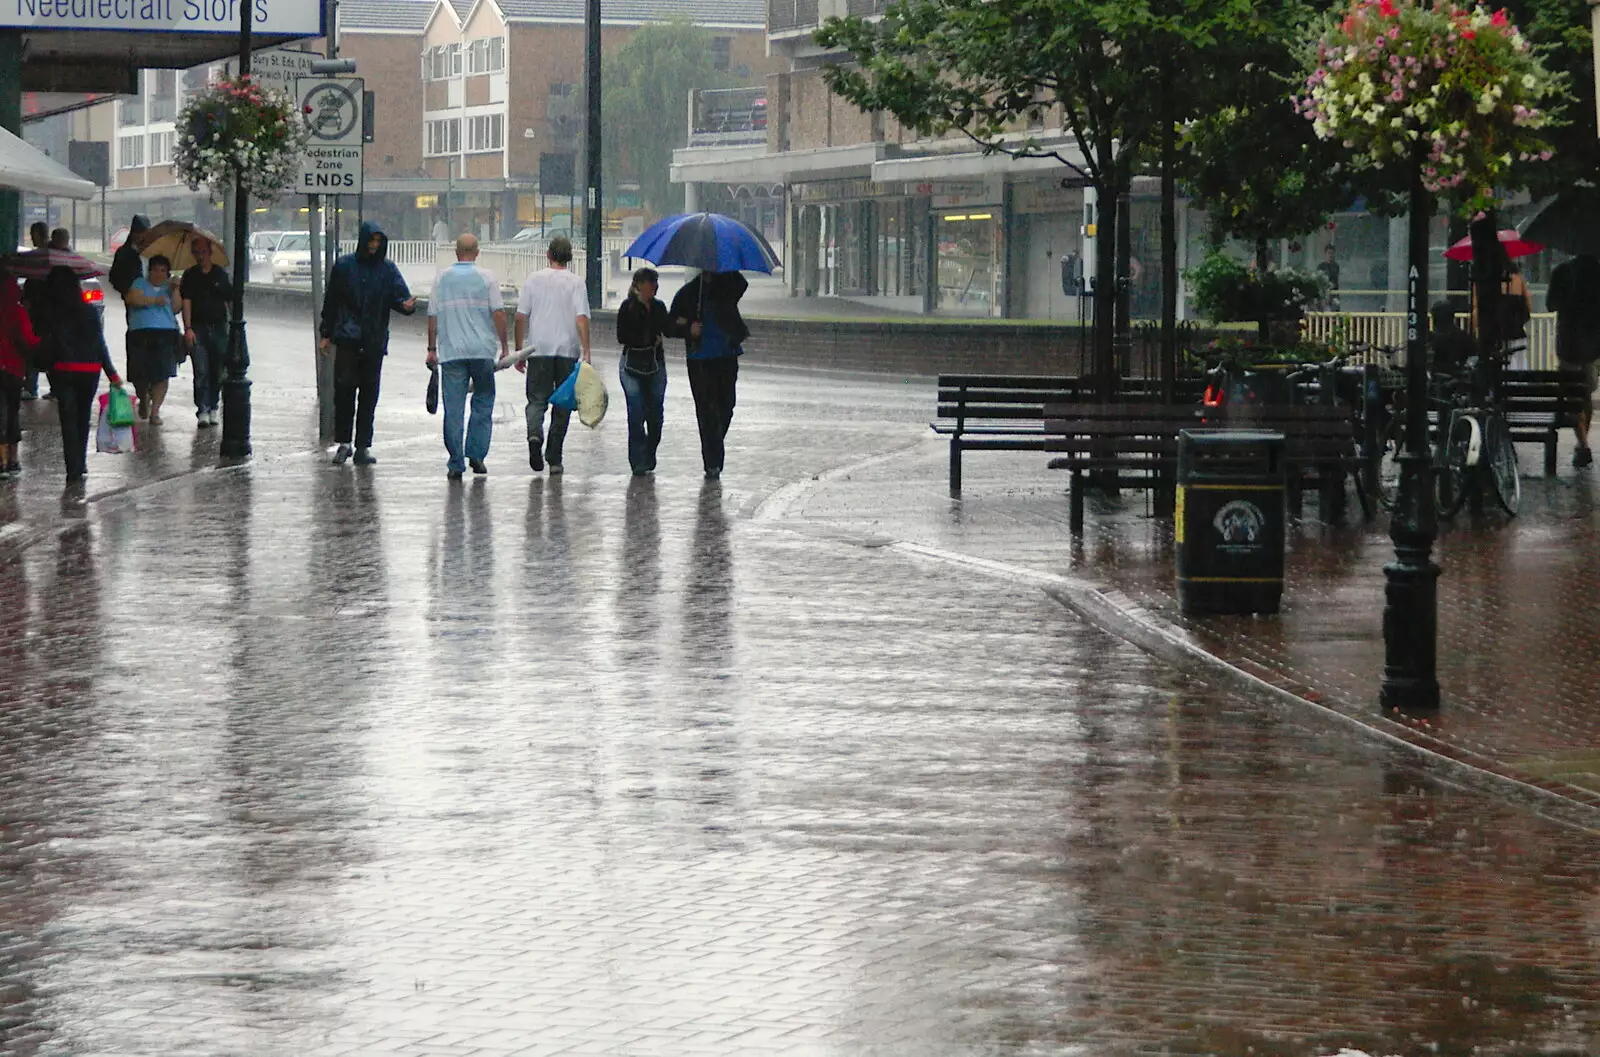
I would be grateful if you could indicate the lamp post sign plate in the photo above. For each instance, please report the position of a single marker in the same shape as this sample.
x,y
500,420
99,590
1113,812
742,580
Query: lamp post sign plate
x,y
332,160
277,68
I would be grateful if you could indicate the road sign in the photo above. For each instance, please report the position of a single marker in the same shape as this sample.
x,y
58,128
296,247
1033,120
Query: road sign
x,y
278,68
332,160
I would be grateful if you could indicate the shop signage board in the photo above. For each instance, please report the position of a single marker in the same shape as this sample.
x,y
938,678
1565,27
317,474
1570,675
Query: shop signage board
x,y
332,162
301,18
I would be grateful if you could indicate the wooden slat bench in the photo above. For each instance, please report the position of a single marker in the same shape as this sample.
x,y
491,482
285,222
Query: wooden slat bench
x,y
1135,446
1006,412
1539,405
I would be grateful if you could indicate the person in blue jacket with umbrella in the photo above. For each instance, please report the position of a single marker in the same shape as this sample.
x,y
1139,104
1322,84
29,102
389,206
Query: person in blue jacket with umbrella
x,y
707,308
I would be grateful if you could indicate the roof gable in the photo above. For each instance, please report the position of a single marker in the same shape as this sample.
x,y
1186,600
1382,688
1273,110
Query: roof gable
x,y
749,14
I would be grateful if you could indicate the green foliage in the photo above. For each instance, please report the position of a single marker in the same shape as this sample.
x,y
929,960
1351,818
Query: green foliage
x,y
1226,291
1559,31
646,106
1250,160
1239,352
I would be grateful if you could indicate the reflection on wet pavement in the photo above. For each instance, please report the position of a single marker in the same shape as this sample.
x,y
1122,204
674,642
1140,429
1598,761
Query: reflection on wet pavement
x,y
310,762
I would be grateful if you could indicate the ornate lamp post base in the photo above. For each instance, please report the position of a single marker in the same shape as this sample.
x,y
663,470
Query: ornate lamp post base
x,y
1411,606
236,395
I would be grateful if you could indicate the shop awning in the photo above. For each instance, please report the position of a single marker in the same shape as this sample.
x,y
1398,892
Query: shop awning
x,y
26,169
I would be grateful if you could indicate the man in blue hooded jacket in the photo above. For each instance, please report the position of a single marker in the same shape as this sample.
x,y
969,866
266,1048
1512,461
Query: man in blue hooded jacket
x,y
363,288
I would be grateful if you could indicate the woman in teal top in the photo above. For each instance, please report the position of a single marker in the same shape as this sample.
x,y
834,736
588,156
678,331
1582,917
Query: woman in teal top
x,y
152,337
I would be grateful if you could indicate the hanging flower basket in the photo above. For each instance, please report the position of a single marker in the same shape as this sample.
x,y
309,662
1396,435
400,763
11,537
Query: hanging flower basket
x,y
238,130
1459,83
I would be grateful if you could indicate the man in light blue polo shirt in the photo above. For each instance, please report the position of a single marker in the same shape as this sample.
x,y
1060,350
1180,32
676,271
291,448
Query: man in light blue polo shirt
x,y
466,323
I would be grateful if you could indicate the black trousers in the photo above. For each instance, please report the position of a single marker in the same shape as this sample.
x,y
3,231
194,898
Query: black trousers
x,y
10,409
713,383
356,377
75,392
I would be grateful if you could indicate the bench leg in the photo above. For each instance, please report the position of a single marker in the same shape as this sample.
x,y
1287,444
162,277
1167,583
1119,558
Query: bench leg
x,y
955,465
1550,453
1075,506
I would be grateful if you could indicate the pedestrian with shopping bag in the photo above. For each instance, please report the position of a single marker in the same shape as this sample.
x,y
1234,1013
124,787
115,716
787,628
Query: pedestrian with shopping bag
x,y
642,324
466,332
363,288
75,351
553,321
17,342
707,311
152,338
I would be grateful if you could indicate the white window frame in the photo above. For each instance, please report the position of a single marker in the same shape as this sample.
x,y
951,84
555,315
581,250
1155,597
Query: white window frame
x,y
441,137
130,151
486,55
159,150
485,133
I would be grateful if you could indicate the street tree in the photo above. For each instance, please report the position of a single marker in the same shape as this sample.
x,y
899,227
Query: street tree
x,y
986,70
646,97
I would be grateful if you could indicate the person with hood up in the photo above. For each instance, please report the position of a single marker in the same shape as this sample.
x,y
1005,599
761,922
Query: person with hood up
x,y
707,310
363,288
33,302
76,351
1574,296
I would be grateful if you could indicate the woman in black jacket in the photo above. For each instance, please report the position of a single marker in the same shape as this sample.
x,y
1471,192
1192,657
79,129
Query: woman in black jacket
x,y
642,322
74,351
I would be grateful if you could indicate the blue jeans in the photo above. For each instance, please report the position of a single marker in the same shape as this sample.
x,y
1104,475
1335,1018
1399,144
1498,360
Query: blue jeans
x,y
206,359
453,378
645,393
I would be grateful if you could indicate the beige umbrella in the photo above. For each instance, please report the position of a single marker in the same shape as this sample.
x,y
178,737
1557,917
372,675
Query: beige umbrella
x,y
174,239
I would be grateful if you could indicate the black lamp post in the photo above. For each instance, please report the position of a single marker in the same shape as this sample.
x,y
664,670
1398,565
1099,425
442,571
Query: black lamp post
x,y
1411,609
594,215
236,362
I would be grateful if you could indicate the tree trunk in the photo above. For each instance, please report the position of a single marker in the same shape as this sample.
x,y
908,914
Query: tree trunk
x,y
1263,323
1105,274
1169,243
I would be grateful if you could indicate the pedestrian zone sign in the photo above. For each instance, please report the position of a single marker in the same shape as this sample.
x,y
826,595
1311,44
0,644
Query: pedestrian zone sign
x,y
332,162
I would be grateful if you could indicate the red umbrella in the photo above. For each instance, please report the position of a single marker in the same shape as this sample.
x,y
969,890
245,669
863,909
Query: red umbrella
x,y
1516,246
36,264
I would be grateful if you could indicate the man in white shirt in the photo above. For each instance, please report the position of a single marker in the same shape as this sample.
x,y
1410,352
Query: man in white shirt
x,y
466,327
552,318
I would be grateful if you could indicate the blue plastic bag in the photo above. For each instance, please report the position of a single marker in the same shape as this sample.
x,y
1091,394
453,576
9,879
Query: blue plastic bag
x,y
566,394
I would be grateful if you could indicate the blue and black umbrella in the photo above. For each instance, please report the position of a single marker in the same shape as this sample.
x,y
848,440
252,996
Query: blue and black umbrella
x,y
708,241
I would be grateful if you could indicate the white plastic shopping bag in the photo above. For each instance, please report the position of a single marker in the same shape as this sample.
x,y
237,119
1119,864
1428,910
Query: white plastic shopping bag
x,y
592,396
109,439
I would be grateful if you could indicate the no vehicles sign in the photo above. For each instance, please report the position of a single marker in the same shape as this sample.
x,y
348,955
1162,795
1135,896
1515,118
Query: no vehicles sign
x,y
331,164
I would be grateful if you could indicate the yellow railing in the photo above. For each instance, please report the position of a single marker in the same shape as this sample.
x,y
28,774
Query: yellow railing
x,y
1379,330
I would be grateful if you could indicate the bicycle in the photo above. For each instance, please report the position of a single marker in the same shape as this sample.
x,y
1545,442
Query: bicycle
x,y
1473,442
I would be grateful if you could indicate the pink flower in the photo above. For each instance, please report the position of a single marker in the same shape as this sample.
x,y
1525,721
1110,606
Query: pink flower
x,y
1387,9
1499,18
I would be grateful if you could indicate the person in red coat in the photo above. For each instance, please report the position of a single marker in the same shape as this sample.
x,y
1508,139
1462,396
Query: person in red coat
x,y
17,340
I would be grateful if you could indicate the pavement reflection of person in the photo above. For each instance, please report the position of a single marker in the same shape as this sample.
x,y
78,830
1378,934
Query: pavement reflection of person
x,y
708,646
461,580
639,580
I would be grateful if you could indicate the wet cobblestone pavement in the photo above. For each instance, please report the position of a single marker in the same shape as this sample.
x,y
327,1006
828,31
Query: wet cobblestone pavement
x,y
311,761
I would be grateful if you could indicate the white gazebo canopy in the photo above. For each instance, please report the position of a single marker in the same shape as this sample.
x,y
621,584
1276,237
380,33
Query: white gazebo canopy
x,y
24,168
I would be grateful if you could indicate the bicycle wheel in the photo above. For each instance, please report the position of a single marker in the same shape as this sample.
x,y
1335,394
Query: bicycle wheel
x,y
1452,477
1503,466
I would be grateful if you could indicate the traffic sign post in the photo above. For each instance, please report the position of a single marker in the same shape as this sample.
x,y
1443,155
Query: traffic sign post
x,y
332,160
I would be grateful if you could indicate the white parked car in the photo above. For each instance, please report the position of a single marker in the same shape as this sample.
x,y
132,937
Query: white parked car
x,y
263,244
291,262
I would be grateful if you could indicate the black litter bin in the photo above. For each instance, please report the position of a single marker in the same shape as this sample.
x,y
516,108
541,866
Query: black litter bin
x,y
1229,520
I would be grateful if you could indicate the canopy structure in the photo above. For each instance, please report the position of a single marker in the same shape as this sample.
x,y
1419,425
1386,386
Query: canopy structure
x,y
22,168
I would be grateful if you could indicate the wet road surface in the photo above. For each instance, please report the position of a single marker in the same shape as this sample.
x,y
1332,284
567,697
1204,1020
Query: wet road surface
x,y
312,761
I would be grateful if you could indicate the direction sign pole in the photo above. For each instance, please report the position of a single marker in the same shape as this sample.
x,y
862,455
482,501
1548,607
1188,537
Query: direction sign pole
x,y
235,442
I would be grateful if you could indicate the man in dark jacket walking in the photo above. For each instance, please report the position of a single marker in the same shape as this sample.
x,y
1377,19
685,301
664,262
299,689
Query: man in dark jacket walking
x,y
1574,296
362,290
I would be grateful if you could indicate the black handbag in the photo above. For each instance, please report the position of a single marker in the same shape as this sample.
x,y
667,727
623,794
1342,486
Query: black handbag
x,y
642,359
433,390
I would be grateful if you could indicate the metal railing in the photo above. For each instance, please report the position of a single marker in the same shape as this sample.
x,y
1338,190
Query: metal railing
x,y
401,251
1388,329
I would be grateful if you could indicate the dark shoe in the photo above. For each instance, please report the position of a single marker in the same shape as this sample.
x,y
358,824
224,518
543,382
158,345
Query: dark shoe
x,y
76,478
535,456
454,475
478,467
714,475
364,457
1582,457
641,473
14,468
50,396
555,468
341,454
